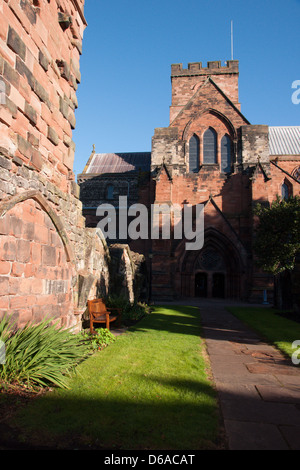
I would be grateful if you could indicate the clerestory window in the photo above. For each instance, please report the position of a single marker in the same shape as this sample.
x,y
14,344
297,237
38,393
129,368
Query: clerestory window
x,y
194,154
209,147
225,154
110,192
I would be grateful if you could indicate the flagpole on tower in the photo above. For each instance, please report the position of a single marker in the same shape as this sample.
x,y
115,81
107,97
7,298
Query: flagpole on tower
x,y
231,40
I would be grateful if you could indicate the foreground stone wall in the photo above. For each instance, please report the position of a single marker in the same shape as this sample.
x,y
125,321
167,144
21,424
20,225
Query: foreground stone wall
x,y
49,262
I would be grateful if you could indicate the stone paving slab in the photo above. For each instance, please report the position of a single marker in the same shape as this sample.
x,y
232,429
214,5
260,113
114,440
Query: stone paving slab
x,y
258,388
254,436
279,394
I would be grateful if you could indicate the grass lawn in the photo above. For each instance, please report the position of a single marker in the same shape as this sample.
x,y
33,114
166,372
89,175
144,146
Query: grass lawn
x,y
150,389
274,328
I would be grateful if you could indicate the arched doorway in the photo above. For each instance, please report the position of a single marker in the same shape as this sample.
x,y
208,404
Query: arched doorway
x,y
216,271
213,273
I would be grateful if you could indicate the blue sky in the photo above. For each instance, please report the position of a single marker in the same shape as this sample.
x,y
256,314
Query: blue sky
x,y
129,46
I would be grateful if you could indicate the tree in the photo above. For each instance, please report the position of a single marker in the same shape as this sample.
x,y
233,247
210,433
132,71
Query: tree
x,y
277,238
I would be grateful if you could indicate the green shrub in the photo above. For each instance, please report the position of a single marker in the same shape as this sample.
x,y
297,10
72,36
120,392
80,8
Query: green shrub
x,y
131,312
100,340
39,355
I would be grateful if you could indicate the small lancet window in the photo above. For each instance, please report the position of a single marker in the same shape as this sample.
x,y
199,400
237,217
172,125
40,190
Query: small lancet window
x,y
210,146
284,191
226,154
110,192
194,154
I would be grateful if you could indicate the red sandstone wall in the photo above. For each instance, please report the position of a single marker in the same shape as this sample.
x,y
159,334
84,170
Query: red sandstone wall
x,y
35,275
49,263
40,68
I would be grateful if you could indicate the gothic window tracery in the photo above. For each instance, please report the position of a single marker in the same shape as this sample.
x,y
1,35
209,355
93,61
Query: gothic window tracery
x,y
210,259
296,173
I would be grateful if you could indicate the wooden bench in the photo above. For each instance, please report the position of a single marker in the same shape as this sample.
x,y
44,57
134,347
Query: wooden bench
x,y
99,313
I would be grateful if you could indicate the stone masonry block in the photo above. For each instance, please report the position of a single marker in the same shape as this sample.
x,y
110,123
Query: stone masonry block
x,y
25,72
64,107
42,93
11,75
29,11
49,255
30,113
44,62
23,251
15,43
37,159
52,136
24,147
5,163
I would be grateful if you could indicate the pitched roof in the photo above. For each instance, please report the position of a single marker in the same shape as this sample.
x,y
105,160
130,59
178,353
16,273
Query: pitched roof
x,y
284,140
101,163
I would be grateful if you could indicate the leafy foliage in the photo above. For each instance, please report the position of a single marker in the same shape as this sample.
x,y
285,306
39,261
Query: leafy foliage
x,y
39,355
277,239
100,340
131,312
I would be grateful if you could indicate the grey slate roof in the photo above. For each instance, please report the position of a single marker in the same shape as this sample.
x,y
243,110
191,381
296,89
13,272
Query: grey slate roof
x,y
102,163
284,140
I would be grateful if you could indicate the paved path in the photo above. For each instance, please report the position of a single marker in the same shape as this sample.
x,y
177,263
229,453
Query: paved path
x,y
258,388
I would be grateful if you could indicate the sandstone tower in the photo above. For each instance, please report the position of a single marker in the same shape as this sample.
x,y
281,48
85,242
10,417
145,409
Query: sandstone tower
x,y
210,154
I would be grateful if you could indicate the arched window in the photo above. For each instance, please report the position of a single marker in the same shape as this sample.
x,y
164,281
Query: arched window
x,y
226,154
110,192
210,146
286,190
194,154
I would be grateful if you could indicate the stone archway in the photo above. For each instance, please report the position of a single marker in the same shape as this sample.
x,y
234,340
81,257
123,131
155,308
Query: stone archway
x,y
215,271
37,270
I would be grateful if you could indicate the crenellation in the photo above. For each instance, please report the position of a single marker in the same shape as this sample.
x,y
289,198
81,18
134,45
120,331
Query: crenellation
x,y
195,68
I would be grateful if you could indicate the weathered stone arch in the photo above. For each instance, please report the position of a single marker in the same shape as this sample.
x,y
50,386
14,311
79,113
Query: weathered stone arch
x,y
8,204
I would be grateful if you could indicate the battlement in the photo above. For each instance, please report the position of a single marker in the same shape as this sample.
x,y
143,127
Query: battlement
x,y
213,67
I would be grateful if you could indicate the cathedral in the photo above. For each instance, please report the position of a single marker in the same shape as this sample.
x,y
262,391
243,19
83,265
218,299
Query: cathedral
x,y
209,155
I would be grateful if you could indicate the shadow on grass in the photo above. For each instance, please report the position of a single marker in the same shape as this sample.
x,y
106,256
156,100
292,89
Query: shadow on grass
x,y
160,413
114,422
186,320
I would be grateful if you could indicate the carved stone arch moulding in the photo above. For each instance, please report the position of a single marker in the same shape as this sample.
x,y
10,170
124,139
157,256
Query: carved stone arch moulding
x,y
8,204
230,127
296,173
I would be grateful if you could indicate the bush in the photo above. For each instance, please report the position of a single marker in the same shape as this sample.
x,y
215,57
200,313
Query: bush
x,y
39,355
100,340
131,312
